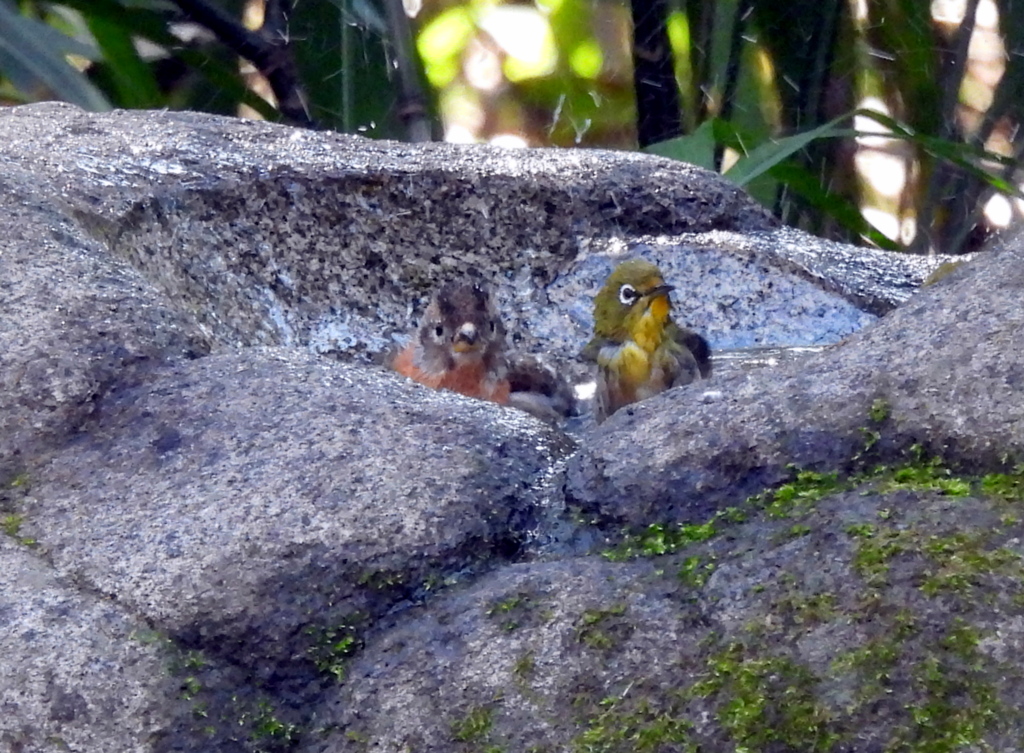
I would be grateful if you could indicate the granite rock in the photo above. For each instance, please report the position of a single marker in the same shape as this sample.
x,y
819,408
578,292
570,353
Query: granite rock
x,y
224,520
878,616
942,372
79,671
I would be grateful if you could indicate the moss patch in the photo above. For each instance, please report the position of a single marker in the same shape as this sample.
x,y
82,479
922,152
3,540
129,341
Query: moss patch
x,y
766,700
659,539
11,518
604,629
516,610
626,724
882,649
474,726
333,647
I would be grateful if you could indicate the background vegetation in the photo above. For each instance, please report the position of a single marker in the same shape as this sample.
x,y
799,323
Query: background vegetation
x,y
892,122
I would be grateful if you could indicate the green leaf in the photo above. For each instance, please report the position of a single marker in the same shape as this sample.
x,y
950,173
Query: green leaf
x,y
698,148
130,76
771,153
150,21
32,56
966,156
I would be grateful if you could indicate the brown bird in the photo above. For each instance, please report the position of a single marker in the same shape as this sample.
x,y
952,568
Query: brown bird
x,y
460,345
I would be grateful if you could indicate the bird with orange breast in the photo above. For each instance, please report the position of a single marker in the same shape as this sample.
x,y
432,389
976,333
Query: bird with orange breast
x,y
460,345
638,349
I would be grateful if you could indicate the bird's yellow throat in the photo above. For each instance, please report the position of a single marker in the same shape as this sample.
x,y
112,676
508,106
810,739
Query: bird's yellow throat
x,y
649,329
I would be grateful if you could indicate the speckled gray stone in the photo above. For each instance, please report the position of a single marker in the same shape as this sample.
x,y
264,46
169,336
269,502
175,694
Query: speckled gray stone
x,y
139,238
251,492
269,235
737,294
945,368
763,632
516,647
274,235
246,504
184,457
78,672
73,322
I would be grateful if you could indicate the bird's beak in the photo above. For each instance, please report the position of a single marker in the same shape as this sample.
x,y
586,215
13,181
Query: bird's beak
x,y
465,338
657,303
663,289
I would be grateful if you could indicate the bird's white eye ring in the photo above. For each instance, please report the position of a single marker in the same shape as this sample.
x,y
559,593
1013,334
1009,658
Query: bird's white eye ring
x,y
628,295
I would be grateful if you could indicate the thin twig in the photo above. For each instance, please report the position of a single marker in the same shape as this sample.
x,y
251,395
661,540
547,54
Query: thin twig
x,y
269,52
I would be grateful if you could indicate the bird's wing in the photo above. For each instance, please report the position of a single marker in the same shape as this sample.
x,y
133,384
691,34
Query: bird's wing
x,y
697,345
538,388
592,349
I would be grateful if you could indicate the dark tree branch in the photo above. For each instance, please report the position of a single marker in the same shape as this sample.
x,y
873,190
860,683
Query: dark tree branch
x,y
825,52
275,18
810,109
939,199
268,50
659,116
412,103
732,69
702,18
958,64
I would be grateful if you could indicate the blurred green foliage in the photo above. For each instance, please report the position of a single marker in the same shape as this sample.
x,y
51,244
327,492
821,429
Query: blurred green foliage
x,y
770,90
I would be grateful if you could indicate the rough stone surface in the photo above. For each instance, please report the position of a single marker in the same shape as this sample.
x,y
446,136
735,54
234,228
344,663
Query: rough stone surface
x,y
518,646
298,230
245,492
78,673
73,322
791,630
138,238
744,297
217,539
333,241
944,369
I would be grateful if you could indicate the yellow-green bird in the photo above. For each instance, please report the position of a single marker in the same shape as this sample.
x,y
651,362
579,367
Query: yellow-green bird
x,y
639,350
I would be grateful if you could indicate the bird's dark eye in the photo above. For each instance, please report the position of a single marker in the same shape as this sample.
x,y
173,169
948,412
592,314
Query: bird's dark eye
x,y
493,326
628,295
439,331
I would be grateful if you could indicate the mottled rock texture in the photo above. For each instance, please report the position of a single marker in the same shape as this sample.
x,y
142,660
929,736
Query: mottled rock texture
x,y
79,672
138,238
227,528
244,492
943,371
883,618
74,320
